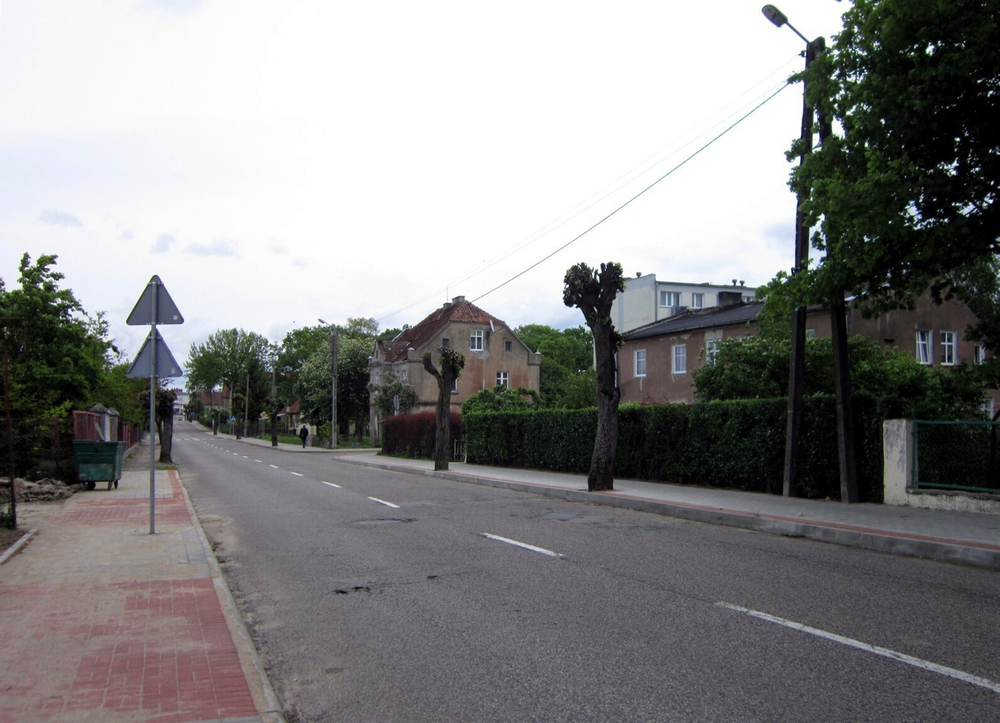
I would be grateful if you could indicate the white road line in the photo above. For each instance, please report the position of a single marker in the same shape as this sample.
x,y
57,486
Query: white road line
x,y
245,457
259,461
884,652
274,466
523,545
298,474
383,502
331,484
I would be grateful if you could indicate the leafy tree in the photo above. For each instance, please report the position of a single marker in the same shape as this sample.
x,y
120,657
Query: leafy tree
x,y
394,387
297,346
756,367
236,359
565,355
501,399
59,357
452,363
164,414
592,292
906,190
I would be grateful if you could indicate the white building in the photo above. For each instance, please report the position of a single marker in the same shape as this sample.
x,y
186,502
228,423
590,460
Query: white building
x,y
646,300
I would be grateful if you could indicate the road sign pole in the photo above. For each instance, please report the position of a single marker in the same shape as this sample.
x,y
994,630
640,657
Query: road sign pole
x,y
152,419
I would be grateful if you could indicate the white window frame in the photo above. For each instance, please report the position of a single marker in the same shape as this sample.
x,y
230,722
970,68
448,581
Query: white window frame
x,y
476,340
949,348
711,350
667,296
988,407
503,379
679,359
639,362
698,301
924,347
980,354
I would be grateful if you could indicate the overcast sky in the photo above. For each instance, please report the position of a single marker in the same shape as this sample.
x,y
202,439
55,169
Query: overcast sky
x,y
277,162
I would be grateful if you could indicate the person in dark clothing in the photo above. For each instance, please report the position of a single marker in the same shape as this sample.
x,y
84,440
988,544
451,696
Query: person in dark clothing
x,y
304,434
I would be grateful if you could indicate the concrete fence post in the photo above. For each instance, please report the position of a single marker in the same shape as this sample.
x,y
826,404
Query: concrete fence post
x,y
898,459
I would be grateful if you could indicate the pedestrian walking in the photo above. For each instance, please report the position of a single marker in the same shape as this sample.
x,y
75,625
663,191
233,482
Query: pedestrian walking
x,y
304,434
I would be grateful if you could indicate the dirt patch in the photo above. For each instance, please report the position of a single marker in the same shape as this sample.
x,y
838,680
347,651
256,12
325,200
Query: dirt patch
x,y
9,537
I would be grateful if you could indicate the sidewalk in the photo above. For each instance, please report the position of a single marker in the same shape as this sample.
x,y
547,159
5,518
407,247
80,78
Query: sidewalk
x,y
103,622
961,537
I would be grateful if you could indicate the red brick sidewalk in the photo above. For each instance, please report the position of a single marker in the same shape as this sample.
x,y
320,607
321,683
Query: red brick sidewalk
x,y
101,621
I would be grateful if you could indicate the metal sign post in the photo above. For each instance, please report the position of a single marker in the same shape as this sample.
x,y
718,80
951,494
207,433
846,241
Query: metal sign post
x,y
154,307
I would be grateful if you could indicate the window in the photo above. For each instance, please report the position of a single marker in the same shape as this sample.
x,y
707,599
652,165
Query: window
x,y
508,346
670,298
711,349
980,353
924,347
454,385
680,359
988,407
640,362
446,342
503,379
949,345
697,301
476,340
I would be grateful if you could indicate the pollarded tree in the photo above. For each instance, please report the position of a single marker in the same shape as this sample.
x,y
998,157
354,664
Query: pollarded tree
x,y
592,292
452,363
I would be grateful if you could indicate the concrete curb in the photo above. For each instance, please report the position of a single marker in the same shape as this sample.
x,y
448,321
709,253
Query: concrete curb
x,y
244,643
16,547
942,550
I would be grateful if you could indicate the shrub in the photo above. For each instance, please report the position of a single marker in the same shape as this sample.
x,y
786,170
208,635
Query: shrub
x,y
412,435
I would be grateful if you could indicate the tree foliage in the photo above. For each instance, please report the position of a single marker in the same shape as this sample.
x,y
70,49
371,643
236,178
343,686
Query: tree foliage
x,y
566,354
905,191
391,388
592,292
501,399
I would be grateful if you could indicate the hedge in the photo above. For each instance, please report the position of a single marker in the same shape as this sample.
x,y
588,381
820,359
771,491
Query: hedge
x,y
735,445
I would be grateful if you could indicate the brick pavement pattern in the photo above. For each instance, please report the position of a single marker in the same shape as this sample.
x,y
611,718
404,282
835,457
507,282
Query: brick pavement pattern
x,y
101,621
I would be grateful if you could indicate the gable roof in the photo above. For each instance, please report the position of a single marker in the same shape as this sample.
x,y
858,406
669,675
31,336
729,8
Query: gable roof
x,y
694,319
457,310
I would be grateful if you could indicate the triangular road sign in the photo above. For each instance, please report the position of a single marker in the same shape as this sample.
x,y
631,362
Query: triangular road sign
x,y
166,309
166,365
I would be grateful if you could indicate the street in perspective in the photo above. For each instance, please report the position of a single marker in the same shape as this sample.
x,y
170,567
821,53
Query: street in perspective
x,y
376,595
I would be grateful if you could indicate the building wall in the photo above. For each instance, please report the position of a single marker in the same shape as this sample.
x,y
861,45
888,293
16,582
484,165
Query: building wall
x,y
640,303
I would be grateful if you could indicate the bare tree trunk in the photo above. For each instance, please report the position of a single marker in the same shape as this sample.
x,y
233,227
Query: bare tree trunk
x,y
451,366
601,477
166,427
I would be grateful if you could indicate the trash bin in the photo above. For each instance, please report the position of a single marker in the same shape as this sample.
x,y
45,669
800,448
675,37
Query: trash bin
x,y
99,462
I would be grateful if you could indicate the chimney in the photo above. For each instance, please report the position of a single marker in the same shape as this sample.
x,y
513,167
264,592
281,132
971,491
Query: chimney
x,y
458,300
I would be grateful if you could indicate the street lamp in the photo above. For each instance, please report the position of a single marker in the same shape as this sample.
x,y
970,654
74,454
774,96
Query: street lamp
x,y
333,390
838,311
797,363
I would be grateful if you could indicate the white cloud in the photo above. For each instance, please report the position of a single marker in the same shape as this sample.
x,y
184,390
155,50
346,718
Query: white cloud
x,y
163,243
218,247
59,218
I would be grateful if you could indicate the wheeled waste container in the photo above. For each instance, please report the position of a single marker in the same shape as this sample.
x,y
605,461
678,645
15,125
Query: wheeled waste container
x,y
99,462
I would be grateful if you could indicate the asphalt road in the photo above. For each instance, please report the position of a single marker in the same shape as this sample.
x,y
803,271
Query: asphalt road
x,y
381,596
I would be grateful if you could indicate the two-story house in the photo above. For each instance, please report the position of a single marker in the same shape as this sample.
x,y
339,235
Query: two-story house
x,y
493,354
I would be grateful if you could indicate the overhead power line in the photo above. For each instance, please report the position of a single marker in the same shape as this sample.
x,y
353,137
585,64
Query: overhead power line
x,y
636,196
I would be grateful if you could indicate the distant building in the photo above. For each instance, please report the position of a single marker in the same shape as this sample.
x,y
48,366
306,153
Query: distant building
x,y
646,300
657,361
493,354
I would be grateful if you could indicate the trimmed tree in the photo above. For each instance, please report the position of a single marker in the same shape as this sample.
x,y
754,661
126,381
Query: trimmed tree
x,y
592,292
452,363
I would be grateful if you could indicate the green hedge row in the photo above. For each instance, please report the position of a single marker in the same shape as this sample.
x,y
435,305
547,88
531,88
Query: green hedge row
x,y
736,445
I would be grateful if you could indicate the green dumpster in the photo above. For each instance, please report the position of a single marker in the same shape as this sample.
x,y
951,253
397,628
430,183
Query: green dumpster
x,y
99,462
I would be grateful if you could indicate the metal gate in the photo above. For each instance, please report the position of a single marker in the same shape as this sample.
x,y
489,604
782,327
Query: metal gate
x,y
963,456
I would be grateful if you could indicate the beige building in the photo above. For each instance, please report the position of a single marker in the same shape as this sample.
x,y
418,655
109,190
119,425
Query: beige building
x,y
493,354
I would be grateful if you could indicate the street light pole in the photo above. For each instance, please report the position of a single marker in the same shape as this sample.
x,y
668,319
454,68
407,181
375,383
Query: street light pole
x,y
797,362
838,311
